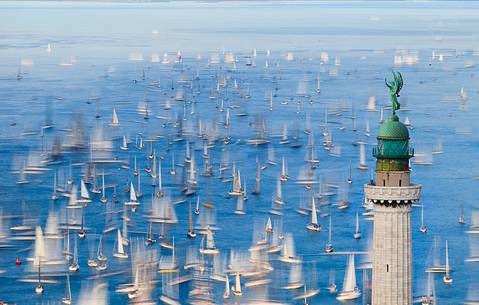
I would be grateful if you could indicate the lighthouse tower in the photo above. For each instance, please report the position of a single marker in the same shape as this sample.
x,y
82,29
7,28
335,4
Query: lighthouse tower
x,y
392,195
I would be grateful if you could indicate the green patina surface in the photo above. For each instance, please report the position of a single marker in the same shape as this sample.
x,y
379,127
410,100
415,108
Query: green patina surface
x,y
393,150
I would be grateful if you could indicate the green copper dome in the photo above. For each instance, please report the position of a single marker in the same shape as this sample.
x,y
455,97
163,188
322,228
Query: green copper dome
x,y
392,129
392,151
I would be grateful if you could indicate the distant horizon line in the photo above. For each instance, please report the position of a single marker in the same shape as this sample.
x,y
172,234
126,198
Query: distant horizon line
x,y
218,1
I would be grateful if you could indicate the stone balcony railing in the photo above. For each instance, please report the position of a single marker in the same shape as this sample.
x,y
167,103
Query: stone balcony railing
x,y
390,193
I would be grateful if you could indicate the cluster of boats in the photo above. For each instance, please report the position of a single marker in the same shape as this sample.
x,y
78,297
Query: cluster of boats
x,y
151,185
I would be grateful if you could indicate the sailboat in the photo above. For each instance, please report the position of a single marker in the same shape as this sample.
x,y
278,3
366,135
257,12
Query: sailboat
x,y
318,85
357,232
362,157
120,251
160,193
67,299
407,122
284,174
210,244
139,194
84,195
461,219
197,209
279,196
237,287
134,291
226,294
257,178
288,251
372,103
103,198
245,192
237,191
332,285
269,227
102,259
82,232
95,189
314,226
367,133
350,177
74,267
447,279
91,262
329,246
150,236
39,255
284,136
295,277
153,169
55,194
349,291
191,233
422,228
173,170
135,170
429,298
133,202
115,122
124,144
240,206
271,158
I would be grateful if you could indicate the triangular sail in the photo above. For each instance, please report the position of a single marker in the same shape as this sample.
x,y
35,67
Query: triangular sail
x,y
269,226
314,214
350,277
115,118
84,191
132,193
120,248
210,242
448,268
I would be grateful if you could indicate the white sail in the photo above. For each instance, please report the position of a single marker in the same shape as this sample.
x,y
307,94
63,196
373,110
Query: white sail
x,y
116,123
120,248
349,283
226,294
237,283
84,191
357,222
448,267
210,242
39,252
295,275
283,168
73,196
372,103
362,157
240,205
288,249
279,193
314,214
269,226
132,193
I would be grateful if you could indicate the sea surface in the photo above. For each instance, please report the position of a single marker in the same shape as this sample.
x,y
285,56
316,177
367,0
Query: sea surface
x,y
96,59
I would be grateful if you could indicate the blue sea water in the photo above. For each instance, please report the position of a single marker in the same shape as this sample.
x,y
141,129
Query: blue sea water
x,y
365,35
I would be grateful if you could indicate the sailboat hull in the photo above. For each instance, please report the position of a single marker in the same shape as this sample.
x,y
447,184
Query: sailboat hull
x,y
349,295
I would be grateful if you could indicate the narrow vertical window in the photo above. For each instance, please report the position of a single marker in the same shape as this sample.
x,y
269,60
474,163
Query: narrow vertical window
x,y
400,182
387,268
384,182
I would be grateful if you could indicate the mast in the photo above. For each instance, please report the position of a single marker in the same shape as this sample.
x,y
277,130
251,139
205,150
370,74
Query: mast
x,y
257,178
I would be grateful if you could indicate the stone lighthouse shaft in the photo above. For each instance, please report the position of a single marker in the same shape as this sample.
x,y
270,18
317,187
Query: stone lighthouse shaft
x,y
392,195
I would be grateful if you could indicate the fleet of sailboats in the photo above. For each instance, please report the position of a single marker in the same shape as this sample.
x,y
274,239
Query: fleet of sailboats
x,y
201,140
